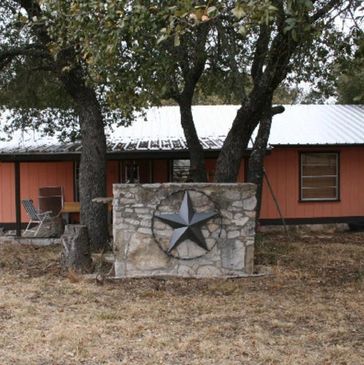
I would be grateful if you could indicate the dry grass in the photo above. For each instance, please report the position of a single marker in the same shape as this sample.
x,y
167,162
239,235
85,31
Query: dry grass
x,y
310,311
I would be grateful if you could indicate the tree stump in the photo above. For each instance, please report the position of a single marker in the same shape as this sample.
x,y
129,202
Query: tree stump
x,y
76,253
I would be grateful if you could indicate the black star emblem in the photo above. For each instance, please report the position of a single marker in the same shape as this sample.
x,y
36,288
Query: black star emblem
x,y
187,224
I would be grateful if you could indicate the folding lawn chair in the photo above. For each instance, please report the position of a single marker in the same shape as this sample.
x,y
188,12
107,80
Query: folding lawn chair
x,y
35,216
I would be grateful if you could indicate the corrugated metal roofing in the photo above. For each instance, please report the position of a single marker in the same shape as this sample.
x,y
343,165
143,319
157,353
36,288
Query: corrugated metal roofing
x,y
318,124
298,125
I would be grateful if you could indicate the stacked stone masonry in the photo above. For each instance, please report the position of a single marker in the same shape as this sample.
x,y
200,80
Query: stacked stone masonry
x,y
141,239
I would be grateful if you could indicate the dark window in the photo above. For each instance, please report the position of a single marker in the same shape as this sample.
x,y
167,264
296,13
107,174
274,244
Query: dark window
x,y
132,174
181,171
319,176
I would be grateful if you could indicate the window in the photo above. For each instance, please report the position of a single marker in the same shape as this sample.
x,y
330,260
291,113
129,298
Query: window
x,y
132,172
181,170
319,176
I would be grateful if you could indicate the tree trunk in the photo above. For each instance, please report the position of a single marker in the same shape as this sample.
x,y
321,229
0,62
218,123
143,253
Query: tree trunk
x,y
197,169
256,159
192,65
76,253
92,180
93,176
236,142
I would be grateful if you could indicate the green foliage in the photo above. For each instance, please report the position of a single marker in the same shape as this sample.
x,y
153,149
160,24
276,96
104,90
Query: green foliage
x,y
351,81
30,80
32,87
138,53
104,36
133,51
134,65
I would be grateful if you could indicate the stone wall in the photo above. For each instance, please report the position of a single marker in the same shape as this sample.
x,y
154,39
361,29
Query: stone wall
x,y
142,239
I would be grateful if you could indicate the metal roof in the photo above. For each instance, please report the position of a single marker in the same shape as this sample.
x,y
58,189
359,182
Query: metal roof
x,y
318,125
161,130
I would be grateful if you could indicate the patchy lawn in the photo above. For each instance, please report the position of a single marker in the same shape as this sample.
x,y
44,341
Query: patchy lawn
x,y
310,311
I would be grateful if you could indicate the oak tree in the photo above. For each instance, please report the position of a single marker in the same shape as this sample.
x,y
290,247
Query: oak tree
x,y
26,35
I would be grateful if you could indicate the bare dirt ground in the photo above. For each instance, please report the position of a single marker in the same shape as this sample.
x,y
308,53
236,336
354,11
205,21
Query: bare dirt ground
x,y
310,311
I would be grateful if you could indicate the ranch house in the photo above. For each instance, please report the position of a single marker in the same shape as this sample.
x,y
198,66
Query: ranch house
x,y
314,164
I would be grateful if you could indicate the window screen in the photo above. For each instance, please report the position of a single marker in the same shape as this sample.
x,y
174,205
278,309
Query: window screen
x,y
181,170
319,176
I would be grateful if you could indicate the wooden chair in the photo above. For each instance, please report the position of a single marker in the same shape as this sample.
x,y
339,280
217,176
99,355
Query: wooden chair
x,y
35,216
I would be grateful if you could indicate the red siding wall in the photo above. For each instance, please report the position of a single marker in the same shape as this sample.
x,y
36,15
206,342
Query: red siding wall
x,y
113,171
34,175
7,192
160,171
282,167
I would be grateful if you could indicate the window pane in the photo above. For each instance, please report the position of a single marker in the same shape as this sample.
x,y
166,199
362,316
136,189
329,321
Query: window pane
x,y
131,172
319,158
310,170
323,193
181,170
319,182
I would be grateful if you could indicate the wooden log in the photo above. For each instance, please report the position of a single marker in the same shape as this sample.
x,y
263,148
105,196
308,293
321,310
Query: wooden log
x,y
76,254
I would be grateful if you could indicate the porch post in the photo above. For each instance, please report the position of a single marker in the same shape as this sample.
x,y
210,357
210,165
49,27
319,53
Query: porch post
x,y
17,198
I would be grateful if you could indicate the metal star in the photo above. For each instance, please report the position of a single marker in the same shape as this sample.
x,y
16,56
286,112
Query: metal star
x,y
186,224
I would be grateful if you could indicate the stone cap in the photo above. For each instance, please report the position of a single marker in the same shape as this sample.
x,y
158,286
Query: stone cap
x,y
184,185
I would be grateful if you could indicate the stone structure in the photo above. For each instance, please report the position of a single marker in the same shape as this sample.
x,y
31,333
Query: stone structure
x,y
141,239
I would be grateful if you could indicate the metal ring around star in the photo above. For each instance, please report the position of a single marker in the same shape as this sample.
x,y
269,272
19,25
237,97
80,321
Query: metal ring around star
x,y
218,216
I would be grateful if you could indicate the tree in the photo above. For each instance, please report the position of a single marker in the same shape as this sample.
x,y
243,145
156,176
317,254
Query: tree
x,y
256,44
256,159
288,35
272,41
350,85
30,24
251,47
179,65
170,69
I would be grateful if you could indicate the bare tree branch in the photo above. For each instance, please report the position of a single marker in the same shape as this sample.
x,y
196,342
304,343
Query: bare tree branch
x,y
278,109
